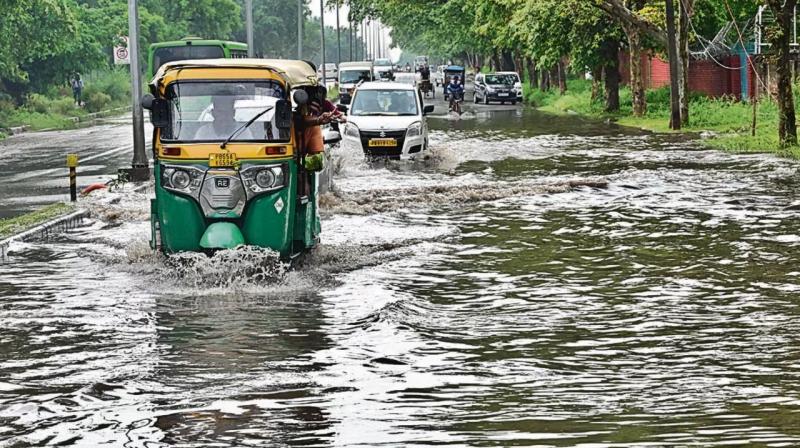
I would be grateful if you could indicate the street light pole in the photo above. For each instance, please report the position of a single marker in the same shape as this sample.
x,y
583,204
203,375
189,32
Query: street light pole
x,y
322,33
140,171
251,51
350,28
300,29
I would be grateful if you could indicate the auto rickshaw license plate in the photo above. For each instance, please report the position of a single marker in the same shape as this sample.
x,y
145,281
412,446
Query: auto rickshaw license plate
x,y
219,160
383,142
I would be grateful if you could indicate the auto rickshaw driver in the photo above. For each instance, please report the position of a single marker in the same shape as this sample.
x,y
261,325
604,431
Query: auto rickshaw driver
x,y
224,114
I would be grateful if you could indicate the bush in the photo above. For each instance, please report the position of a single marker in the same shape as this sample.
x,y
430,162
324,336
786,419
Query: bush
x,y
97,101
38,103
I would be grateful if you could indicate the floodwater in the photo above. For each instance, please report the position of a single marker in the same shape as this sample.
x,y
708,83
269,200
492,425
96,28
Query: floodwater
x,y
540,281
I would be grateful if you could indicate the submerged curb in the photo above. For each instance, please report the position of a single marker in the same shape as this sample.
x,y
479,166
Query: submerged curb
x,y
65,222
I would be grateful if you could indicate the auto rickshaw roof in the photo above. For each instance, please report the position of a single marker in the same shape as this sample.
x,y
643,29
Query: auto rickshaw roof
x,y
296,73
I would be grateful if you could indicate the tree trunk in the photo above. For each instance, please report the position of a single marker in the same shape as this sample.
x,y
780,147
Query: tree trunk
x,y
611,75
780,39
562,76
518,66
533,74
685,12
544,85
637,83
506,62
597,79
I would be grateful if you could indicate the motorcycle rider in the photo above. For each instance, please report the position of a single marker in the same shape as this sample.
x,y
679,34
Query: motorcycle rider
x,y
455,91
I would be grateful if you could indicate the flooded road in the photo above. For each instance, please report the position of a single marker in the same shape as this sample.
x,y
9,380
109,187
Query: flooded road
x,y
540,281
34,163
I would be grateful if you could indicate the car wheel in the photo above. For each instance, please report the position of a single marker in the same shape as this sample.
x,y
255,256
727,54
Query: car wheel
x,y
513,102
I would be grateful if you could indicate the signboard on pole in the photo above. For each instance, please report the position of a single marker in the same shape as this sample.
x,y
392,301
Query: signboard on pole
x,y
121,54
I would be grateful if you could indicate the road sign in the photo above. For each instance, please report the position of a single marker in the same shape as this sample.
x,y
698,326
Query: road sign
x,y
121,54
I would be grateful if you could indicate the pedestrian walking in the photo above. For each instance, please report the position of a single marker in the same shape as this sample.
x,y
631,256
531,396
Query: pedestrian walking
x,y
77,89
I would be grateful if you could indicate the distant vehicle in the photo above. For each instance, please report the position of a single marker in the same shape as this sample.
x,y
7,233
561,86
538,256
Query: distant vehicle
x,y
448,73
380,62
407,78
383,72
350,75
419,61
517,83
160,53
495,87
387,120
438,75
331,71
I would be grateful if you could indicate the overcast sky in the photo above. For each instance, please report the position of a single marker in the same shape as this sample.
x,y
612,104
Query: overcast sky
x,y
330,20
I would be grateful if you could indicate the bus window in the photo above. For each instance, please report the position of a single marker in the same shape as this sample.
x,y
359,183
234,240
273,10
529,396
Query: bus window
x,y
168,54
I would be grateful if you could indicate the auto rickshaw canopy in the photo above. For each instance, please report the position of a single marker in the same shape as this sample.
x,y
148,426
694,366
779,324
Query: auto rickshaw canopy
x,y
294,73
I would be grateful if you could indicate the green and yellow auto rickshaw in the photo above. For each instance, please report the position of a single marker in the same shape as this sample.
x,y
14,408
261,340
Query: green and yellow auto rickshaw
x,y
229,156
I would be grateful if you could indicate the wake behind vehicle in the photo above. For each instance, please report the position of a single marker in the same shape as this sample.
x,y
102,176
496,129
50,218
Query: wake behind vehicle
x,y
160,53
229,156
350,75
494,87
387,119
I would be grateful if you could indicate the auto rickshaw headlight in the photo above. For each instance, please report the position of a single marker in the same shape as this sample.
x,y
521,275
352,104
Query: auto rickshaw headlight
x,y
263,178
181,179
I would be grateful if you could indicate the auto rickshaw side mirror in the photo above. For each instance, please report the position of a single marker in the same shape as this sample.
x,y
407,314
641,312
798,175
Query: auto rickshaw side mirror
x,y
427,109
159,110
283,114
341,108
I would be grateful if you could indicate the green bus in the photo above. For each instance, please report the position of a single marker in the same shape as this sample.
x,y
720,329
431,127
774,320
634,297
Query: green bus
x,y
191,48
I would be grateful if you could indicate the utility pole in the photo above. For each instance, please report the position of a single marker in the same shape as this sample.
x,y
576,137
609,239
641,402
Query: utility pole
x,y
251,51
338,36
351,39
300,29
672,50
140,171
322,33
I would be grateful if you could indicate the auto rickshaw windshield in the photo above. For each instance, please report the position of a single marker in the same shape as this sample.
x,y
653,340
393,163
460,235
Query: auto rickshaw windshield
x,y
211,111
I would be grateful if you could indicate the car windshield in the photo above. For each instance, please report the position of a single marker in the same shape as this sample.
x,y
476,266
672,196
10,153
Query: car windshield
x,y
212,111
382,62
353,76
500,79
384,102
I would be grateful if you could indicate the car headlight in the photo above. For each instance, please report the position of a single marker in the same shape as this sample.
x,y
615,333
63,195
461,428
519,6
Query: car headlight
x,y
182,179
263,178
489,89
351,130
415,129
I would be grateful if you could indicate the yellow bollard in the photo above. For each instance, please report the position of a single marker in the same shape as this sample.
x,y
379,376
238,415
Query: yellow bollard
x,y
72,164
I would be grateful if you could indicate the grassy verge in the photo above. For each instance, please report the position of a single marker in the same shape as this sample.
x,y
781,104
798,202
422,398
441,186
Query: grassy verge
x,y
54,107
12,226
729,121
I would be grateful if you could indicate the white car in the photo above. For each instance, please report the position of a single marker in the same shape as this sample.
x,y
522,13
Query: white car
x,y
350,75
387,119
517,83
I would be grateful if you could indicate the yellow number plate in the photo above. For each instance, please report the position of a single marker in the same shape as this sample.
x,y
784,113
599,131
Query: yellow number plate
x,y
383,142
220,160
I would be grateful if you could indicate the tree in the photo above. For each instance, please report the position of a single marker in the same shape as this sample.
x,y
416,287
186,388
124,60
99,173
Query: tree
x,y
779,35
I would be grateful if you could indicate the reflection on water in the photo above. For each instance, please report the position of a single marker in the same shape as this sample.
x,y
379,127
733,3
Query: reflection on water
x,y
653,302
